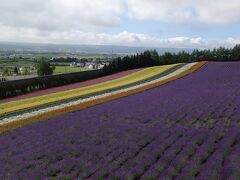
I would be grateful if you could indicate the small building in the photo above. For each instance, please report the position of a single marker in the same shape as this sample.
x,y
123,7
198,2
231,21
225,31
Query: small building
x,y
101,66
95,66
80,64
91,66
75,64
21,69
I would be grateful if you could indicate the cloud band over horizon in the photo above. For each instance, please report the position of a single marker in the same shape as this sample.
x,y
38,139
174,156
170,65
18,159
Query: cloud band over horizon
x,y
108,22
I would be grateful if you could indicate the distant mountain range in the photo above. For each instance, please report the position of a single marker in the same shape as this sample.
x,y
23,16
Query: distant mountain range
x,y
85,49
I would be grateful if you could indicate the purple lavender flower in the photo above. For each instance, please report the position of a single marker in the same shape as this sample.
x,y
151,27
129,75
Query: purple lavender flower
x,y
186,129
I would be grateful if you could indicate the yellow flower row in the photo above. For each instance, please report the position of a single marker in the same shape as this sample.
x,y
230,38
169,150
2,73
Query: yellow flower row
x,y
38,118
64,95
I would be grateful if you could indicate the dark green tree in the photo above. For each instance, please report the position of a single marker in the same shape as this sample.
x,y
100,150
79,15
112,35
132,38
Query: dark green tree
x,y
235,53
154,57
44,67
167,58
222,54
15,70
5,71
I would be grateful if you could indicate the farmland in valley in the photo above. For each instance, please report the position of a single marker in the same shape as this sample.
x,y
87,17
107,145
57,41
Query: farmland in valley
x,y
67,69
185,129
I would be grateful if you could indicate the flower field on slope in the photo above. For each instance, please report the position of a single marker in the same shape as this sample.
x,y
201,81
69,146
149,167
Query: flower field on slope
x,y
71,86
21,119
42,100
187,129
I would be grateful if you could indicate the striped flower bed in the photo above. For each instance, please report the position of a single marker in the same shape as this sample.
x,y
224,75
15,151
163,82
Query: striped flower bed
x,y
15,106
13,122
71,86
186,129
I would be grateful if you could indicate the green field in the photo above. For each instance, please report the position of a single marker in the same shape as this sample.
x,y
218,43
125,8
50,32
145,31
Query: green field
x,y
67,69
17,62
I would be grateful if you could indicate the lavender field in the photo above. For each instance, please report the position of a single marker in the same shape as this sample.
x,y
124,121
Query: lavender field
x,y
187,129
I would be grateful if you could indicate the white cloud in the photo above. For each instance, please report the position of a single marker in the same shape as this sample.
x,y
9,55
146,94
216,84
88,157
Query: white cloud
x,y
123,38
82,22
188,42
229,42
81,37
203,11
59,15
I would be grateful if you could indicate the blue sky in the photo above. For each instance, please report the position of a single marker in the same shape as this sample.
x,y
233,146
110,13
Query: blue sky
x,y
158,23
173,29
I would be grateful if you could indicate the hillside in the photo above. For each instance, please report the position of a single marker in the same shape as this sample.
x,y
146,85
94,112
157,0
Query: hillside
x,y
184,129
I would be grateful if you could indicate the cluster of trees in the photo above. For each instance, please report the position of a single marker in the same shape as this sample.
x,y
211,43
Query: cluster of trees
x,y
145,59
14,70
43,67
152,58
6,71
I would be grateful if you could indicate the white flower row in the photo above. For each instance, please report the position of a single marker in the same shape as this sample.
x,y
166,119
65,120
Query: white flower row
x,y
83,100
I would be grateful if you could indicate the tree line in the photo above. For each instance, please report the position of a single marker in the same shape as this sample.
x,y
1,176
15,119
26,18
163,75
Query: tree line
x,y
152,58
